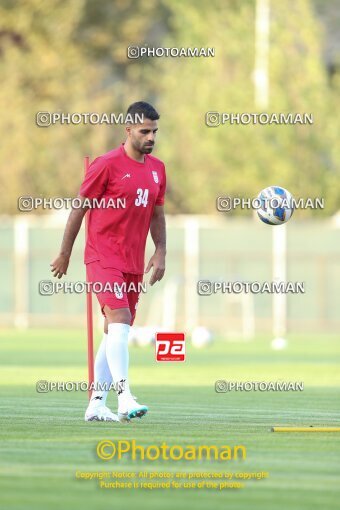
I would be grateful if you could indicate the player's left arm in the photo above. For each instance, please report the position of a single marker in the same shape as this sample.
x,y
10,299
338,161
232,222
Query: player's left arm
x,y
158,234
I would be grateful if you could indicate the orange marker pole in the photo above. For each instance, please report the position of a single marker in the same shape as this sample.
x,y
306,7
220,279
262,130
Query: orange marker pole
x,y
89,311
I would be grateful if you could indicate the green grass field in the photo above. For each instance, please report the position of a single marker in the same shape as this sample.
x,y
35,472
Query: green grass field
x,y
44,439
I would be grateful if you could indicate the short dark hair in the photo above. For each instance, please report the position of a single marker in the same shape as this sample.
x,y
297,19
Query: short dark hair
x,y
143,108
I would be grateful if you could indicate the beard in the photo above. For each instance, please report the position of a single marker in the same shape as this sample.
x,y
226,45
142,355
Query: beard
x,y
147,150
142,148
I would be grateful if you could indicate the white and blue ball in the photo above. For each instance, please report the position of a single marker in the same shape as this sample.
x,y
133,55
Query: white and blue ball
x,y
276,205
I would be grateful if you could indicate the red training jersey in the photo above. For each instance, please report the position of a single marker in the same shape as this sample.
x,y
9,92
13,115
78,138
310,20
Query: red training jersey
x,y
117,234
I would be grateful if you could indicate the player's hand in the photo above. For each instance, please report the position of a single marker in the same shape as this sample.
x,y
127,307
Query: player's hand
x,y
59,265
157,261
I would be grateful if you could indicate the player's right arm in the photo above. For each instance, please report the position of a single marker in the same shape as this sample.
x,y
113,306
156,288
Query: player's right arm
x,y
92,187
60,264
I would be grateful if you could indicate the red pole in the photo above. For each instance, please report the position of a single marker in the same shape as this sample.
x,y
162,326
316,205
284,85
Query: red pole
x,y
89,313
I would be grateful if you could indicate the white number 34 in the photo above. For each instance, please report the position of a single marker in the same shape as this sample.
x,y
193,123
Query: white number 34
x,y
142,197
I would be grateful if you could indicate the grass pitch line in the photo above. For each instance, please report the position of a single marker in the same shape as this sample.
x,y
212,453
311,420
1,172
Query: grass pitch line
x,y
311,428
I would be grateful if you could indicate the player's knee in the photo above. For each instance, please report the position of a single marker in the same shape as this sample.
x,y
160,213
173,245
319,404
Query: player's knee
x,y
120,315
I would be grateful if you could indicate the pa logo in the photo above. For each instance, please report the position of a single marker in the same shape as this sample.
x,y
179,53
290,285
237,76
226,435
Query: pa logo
x,y
170,346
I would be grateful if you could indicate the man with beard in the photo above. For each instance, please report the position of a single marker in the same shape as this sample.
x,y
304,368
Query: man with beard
x,y
115,249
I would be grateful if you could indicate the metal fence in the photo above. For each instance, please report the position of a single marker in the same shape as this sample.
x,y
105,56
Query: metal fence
x,y
210,248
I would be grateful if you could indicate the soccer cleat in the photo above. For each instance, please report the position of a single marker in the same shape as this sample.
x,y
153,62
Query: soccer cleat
x,y
99,413
129,408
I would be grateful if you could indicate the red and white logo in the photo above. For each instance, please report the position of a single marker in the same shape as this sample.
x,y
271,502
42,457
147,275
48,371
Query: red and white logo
x,y
155,176
170,347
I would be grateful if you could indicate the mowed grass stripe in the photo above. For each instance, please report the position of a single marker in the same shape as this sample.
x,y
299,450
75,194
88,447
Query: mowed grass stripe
x,y
44,439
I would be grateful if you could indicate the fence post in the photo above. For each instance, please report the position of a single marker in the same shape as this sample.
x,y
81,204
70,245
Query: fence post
x,y
191,264
279,275
21,273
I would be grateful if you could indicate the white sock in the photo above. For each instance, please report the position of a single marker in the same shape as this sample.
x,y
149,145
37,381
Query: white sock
x,y
102,375
117,355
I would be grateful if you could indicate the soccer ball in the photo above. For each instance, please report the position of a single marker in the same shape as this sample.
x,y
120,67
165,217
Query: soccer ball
x,y
201,337
278,344
145,335
276,205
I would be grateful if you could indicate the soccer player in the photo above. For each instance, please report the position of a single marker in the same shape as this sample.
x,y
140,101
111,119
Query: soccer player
x,y
114,253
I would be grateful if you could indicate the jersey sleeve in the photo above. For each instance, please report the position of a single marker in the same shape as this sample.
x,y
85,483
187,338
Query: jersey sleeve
x,y
162,189
95,180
